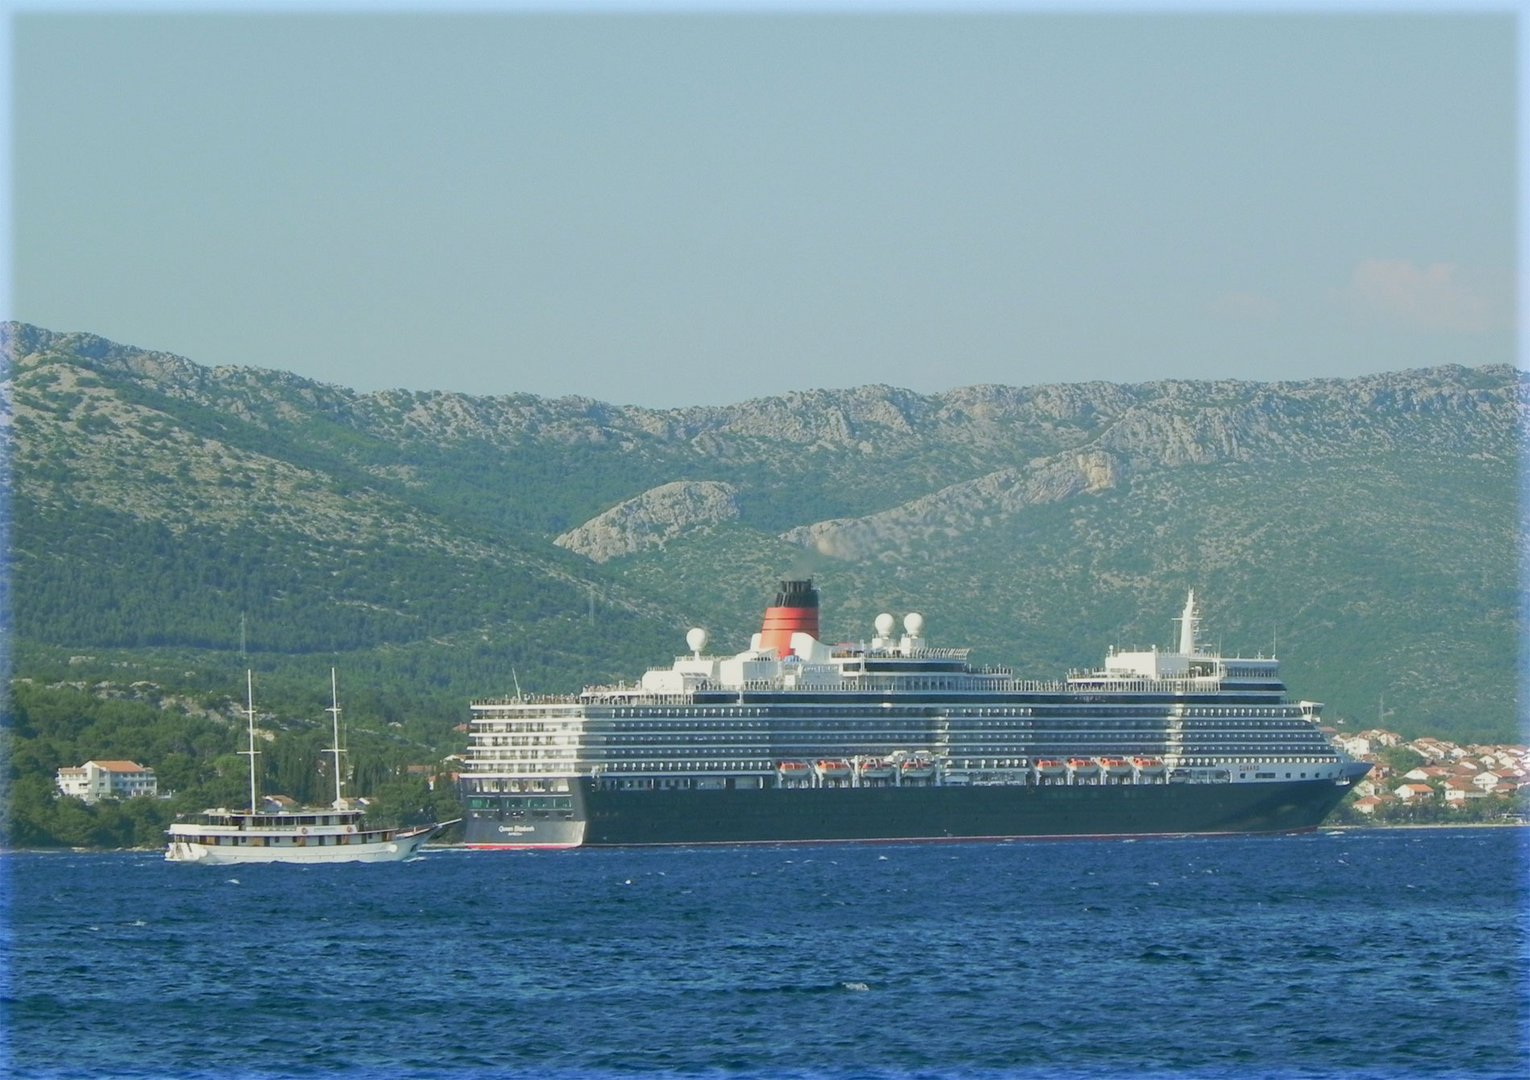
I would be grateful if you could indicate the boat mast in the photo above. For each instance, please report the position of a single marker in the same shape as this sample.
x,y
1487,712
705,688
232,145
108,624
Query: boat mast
x,y
334,713
249,679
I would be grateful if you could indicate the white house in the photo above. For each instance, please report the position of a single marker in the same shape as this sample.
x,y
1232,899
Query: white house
x,y
1458,791
1431,749
107,779
1487,781
1355,745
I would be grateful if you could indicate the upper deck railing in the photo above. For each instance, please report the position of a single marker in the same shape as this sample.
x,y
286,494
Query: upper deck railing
x,y
1082,688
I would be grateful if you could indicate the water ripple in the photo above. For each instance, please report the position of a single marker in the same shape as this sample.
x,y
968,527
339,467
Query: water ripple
x,y
1296,957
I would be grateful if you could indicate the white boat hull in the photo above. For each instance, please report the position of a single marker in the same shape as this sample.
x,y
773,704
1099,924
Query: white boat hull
x,y
400,846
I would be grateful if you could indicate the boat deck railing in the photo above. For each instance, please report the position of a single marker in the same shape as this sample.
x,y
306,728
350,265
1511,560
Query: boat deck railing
x,y
526,699
1082,687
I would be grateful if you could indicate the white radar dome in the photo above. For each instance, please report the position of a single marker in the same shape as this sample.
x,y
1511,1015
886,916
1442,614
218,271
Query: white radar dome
x,y
913,623
696,638
884,624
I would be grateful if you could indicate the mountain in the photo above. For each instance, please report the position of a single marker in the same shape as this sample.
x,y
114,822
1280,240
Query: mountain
x,y
442,546
650,519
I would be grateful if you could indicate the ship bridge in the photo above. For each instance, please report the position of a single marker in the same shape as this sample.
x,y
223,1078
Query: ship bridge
x,y
1190,661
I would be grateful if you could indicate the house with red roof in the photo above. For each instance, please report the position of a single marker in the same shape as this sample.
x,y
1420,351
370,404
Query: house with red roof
x,y
96,780
1457,792
1367,787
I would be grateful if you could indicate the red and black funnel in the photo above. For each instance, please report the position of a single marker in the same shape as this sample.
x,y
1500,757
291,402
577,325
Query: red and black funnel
x,y
795,611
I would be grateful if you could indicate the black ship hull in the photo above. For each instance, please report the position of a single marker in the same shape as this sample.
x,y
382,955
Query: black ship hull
x,y
607,818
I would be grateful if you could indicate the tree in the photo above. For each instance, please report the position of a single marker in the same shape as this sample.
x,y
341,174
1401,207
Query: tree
x,y
1401,759
73,825
26,817
401,801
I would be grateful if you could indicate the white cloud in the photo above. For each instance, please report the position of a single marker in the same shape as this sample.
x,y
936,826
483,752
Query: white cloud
x,y
1433,297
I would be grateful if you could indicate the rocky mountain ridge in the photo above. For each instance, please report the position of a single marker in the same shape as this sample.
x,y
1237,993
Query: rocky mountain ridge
x,y
652,518
1172,421
1375,517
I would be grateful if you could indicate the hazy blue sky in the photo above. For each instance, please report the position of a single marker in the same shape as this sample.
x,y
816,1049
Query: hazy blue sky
x,y
667,208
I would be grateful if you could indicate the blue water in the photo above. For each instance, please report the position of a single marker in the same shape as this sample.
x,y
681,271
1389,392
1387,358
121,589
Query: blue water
x,y
1387,953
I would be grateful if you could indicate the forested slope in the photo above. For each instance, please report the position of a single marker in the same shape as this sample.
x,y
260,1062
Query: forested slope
x,y
172,524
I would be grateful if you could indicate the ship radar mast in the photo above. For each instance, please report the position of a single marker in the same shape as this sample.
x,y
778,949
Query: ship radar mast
x,y
1189,624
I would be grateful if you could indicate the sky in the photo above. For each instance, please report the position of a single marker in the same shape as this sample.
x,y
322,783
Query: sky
x,y
704,204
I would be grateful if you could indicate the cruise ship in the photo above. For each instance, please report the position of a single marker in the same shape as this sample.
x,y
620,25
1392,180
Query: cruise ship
x,y
893,739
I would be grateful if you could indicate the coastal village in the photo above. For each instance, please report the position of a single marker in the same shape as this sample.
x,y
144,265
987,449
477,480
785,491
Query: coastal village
x,y
1423,779
1429,779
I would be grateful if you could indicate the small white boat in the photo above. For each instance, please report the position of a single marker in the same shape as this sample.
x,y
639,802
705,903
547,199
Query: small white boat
x,y
225,837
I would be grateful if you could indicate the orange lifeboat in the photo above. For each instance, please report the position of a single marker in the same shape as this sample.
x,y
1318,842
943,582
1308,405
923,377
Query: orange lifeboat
x,y
1148,766
917,768
875,769
1050,767
793,770
1083,765
833,768
1115,766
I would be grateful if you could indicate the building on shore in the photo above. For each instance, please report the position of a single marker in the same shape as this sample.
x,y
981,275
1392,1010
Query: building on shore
x,y
96,780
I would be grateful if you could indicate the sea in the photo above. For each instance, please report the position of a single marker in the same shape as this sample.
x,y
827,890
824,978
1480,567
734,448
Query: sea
x,y
1355,953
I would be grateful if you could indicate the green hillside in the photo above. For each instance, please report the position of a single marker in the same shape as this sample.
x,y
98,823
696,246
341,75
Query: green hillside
x,y
171,525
